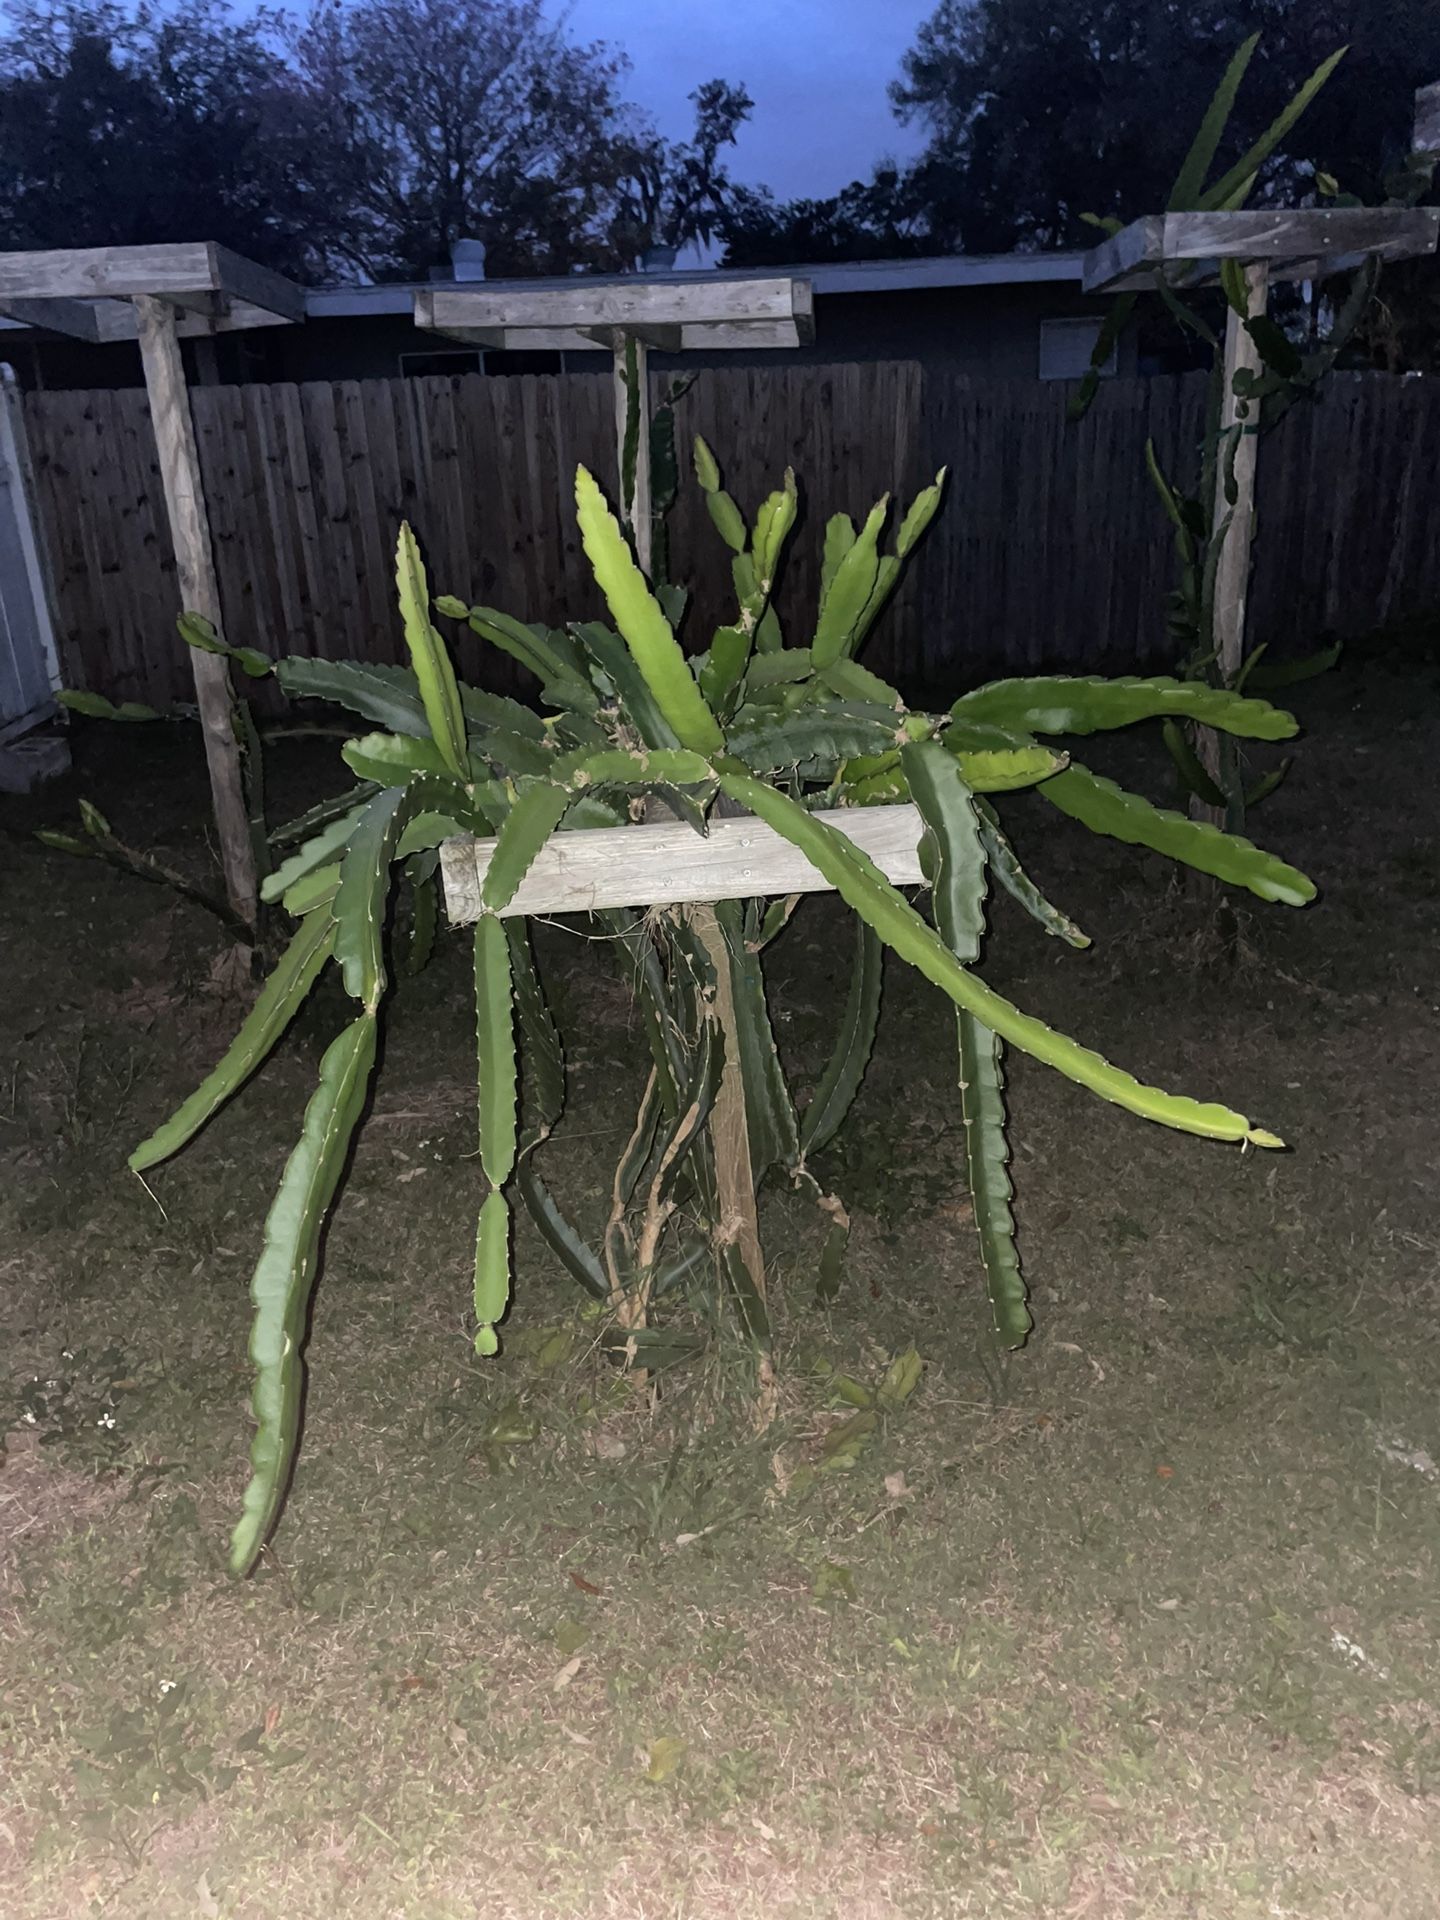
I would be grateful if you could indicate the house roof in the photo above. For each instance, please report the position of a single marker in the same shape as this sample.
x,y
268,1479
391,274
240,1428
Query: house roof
x,y
846,276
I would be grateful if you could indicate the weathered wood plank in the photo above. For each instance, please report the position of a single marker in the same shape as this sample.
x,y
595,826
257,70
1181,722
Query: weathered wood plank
x,y
702,301
671,865
77,319
1298,243
184,272
199,591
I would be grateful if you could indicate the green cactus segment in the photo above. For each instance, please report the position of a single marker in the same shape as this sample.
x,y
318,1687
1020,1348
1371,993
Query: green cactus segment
x,y
987,1160
390,759
749,1301
425,832
1189,765
492,1270
724,668
562,1238
316,852
707,468
839,539
863,887
424,912
623,685
1106,808
1006,868
317,889
528,825
360,901
850,591
532,649
285,1275
774,1131
782,668
96,707
280,998
772,528
618,767
644,627
848,680
390,696
543,1070
1064,705
855,1042
495,1050
1007,769
309,823
951,852
729,521
497,711
923,509
828,733
955,855
439,691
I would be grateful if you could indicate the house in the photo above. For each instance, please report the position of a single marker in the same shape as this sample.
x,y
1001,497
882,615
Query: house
x,y
998,316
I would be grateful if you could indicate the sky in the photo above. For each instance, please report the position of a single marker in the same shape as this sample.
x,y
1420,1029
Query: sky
x,y
816,69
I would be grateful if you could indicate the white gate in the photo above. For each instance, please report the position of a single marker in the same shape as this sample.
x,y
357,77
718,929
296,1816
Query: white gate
x,y
29,669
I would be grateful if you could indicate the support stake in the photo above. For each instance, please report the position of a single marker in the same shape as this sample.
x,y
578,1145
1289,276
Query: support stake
x,y
1232,571
199,591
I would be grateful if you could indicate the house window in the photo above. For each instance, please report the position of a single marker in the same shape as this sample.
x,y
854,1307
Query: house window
x,y
1066,347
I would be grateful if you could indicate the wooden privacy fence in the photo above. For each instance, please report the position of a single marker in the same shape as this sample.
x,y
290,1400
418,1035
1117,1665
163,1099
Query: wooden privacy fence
x,y
1051,549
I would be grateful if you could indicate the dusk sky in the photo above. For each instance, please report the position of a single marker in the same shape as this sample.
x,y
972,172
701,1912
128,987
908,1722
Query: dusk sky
x,y
816,69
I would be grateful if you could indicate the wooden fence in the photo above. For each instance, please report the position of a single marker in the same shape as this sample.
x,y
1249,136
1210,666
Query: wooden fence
x,y
1051,549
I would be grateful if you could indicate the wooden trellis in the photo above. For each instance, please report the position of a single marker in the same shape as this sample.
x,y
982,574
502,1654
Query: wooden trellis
x,y
156,295
674,316
1186,250
656,862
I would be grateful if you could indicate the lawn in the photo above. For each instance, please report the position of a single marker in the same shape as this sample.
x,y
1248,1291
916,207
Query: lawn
x,y
1138,1622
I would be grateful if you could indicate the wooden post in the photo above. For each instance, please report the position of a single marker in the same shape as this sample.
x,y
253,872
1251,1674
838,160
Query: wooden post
x,y
1232,571
729,1120
199,591
638,508
1426,137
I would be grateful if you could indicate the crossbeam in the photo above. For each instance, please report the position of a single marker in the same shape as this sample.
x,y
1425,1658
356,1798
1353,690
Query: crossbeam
x,y
86,291
668,864
703,311
1303,244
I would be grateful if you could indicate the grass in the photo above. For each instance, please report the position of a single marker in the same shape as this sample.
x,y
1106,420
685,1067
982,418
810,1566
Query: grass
x,y
1140,1622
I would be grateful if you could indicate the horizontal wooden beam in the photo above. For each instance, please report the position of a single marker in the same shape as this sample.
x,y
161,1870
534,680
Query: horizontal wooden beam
x,y
662,339
1298,244
197,275
75,318
667,864
718,336
493,315
92,273
248,284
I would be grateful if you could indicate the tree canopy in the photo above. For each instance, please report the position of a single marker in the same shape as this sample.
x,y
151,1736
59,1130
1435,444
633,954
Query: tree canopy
x,y
1039,111
122,128
361,140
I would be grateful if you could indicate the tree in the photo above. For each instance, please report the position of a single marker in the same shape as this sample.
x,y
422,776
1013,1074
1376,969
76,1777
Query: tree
x,y
878,219
445,119
1039,111
672,195
119,129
